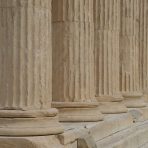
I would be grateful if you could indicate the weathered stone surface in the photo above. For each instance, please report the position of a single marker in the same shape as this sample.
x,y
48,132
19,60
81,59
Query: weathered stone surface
x,y
86,142
26,69
25,54
133,137
73,52
130,54
134,100
71,145
20,126
143,46
139,114
80,114
107,25
97,130
73,60
129,51
73,132
99,64
112,107
110,125
144,145
107,28
30,142
104,98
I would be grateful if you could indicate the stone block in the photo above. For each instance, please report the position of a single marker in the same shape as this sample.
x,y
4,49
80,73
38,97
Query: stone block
x,y
112,108
30,142
86,142
133,137
139,114
110,125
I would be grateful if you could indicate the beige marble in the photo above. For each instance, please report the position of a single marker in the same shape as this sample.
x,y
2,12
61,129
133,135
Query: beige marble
x,y
73,58
26,69
143,47
130,53
129,49
107,23
107,29
88,59
133,137
30,142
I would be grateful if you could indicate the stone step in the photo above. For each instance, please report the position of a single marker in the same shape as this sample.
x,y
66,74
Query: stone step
x,y
139,114
133,137
97,130
111,124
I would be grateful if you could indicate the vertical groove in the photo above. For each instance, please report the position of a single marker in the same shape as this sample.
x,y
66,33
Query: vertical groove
x,y
106,19
143,43
77,61
25,78
129,46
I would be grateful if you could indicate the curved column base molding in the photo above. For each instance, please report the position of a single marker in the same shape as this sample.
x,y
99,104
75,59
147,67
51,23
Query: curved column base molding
x,y
110,98
78,111
29,123
112,108
145,97
134,100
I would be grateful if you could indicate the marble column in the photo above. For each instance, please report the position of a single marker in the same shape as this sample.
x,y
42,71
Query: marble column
x,y
26,69
129,54
73,60
143,47
107,29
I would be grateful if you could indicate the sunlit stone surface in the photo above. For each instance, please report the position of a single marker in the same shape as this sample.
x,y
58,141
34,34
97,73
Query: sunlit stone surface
x,y
87,59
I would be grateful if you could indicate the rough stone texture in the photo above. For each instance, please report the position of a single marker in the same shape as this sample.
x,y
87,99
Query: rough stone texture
x,y
107,23
99,53
25,54
72,145
139,114
134,100
86,142
30,142
107,29
80,114
73,56
111,124
96,130
112,108
134,137
143,48
130,75
26,69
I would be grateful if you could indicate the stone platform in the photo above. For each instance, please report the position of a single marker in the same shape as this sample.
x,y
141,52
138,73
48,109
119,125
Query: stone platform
x,y
116,131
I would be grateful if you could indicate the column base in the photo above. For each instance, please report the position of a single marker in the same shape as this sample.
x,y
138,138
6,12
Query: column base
x,y
78,111
107,98
112,108
111,104
29,123
134,100
145,97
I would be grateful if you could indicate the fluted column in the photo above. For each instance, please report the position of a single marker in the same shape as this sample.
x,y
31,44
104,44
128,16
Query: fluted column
x,y
26,69
73,60
143,47
107,25
129,53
